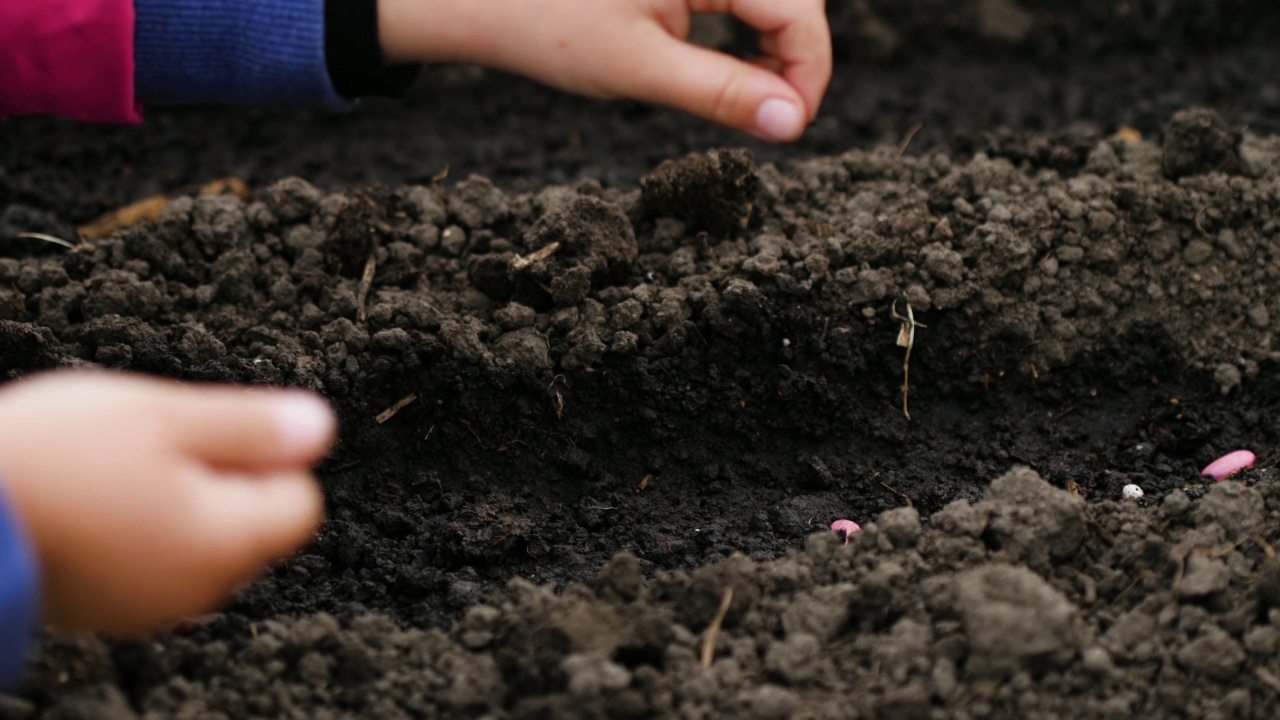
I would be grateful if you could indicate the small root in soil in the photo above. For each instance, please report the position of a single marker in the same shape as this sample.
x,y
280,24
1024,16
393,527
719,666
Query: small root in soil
x,y
366,282
906,339
897,492
906,141
713,630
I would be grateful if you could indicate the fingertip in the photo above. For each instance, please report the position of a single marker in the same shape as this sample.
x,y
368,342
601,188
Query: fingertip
x,y
293,509
306,424
251,522
779,120
747,96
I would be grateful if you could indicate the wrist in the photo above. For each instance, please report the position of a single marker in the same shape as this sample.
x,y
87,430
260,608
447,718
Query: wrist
x,y
354,58
435,31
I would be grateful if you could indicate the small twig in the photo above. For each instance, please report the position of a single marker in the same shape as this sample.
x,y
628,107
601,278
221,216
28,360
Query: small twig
x,y
390,412
906,339
906,141
1266,546
713,631
1063,414
893,489
1268,678
546,251
1182,571
511,443
46,238
1220,551
1199,214
366,281
467,424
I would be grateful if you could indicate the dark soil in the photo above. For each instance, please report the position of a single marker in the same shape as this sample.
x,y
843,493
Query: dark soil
x,y
959,69
577,413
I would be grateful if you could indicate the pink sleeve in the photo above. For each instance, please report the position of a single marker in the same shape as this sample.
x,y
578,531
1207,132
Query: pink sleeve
x,y
68,57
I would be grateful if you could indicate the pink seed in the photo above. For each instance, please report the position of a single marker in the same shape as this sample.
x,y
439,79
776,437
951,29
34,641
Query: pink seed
x,y
848,527
1229,464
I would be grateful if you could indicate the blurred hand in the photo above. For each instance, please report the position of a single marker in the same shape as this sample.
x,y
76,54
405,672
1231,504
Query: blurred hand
x,y
634,49
148,501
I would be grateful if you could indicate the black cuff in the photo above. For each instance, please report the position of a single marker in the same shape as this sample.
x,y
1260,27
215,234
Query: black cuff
x,y
354,56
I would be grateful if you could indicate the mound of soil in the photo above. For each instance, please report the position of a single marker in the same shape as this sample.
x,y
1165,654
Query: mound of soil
x,y
604,384
1025,604
682,383
947,71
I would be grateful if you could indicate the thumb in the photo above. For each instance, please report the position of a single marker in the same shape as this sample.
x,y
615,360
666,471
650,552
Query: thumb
x,y
231,527
722,89
244,523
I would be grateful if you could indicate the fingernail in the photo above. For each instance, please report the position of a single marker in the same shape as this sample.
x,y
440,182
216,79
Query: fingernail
x,y
305,421
778,119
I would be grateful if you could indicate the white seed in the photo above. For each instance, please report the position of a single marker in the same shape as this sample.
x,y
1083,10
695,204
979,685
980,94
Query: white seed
x,y
1131,492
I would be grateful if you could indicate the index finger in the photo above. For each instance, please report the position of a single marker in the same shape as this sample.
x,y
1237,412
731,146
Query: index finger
x,y
794,34
230,427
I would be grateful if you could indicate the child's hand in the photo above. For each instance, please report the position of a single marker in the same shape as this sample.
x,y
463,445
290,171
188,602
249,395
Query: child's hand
x,y
148,501
632,49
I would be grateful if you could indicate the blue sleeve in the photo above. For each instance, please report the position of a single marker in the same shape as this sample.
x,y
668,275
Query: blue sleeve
x,y
243,52
19,596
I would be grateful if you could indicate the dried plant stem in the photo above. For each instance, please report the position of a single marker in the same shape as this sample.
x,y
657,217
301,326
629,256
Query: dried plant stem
x,y
46,238
713,631
906,339
390,412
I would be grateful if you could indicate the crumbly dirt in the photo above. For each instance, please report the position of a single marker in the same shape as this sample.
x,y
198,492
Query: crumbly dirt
x,y
576,413
1027,603
958,70
699,374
